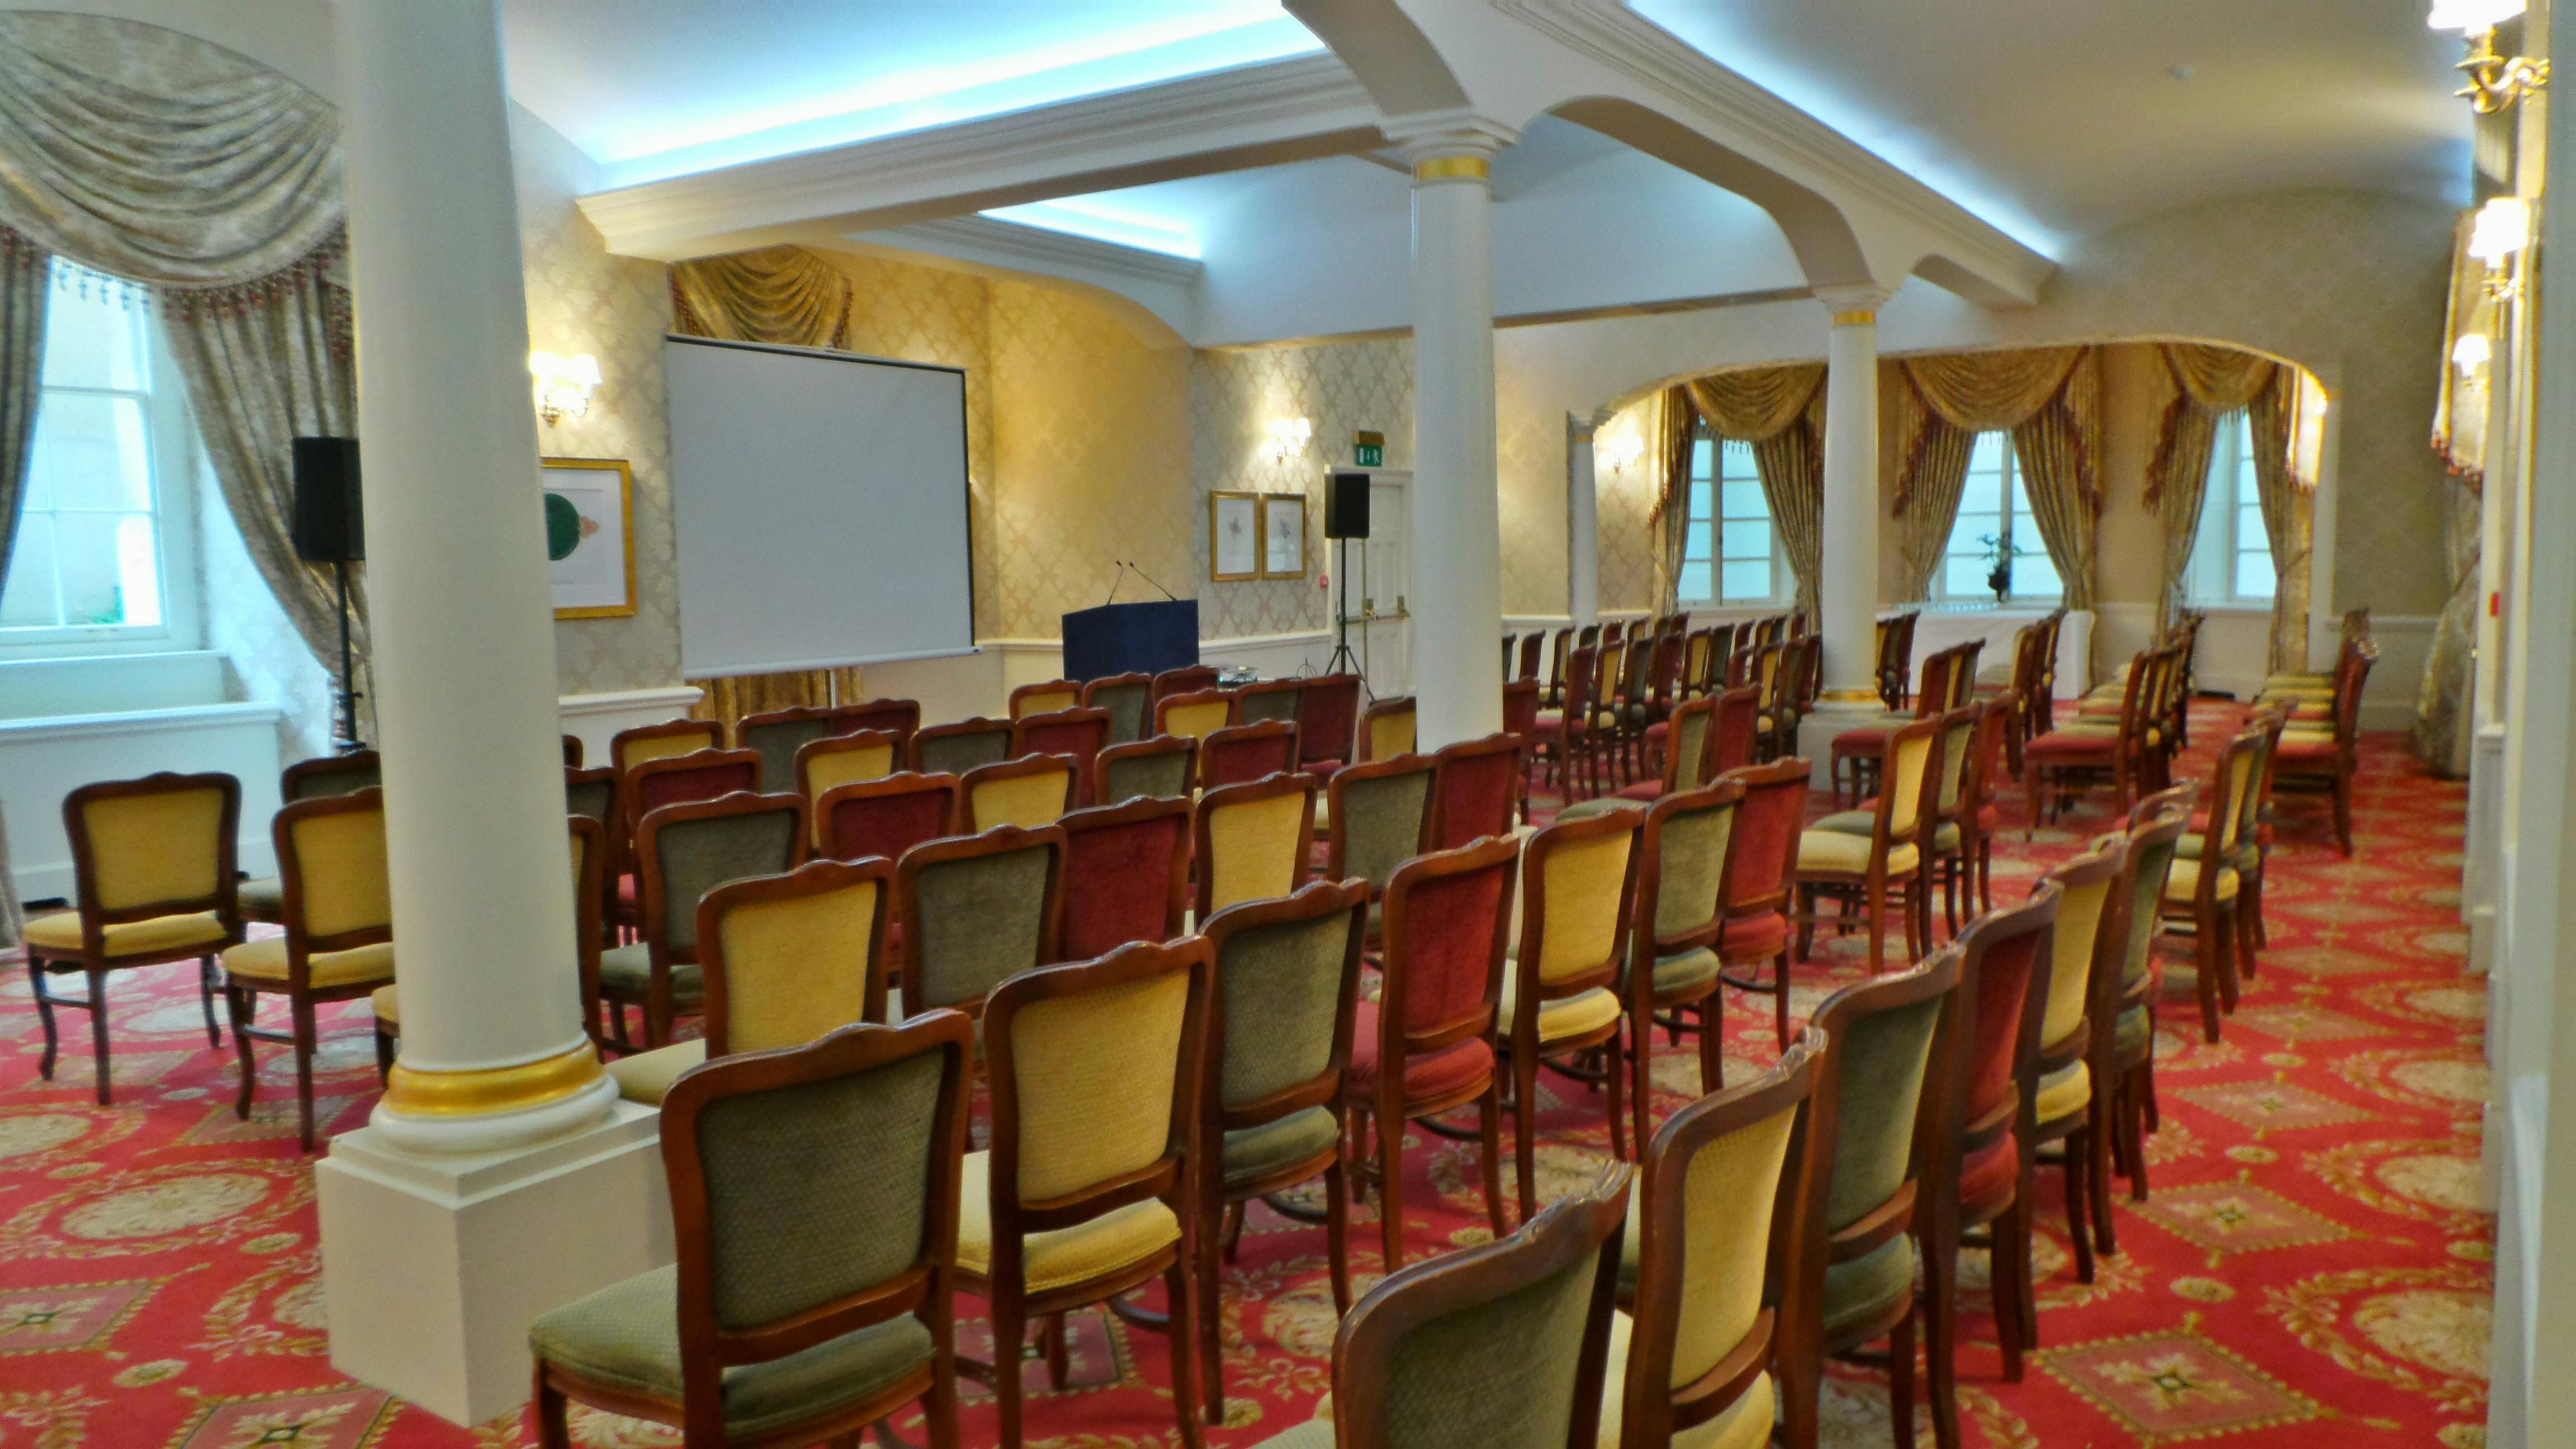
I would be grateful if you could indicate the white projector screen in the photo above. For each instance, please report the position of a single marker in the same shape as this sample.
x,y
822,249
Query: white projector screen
x,y
820,503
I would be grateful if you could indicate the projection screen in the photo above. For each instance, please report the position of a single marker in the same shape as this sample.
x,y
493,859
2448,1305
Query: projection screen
x,y
820,503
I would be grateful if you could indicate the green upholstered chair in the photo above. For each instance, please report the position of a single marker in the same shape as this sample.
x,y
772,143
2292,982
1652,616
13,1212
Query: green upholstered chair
x,y
1279,1044
339,938
1857,858
591,794
1864,1211
1029,791
152,870
1097,1075
977,910
1251,841
815,1200
1162,768
776,735
1706,1264
1377,816
1502,1346
1560,1002
2066,1103
2152,842
682,852
1270,699
262,900
783,960
1685,842
953,749
1129,698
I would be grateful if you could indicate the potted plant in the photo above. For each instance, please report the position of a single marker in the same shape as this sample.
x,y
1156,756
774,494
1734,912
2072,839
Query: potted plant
x,y
1999,571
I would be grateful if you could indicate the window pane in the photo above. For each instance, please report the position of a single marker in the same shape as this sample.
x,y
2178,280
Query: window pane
x,y
85,550
1983,494
1963,577
28,602
1695,578
1742,500
1699,458
1701,496
1748,580
138,569
1735,460
1750,538
2254,579
1988,454
2249,530
94,341
1696,540
90,453
2033,574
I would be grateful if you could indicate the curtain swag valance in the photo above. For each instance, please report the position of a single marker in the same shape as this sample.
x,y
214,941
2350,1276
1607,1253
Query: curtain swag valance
x,y
1780,411
782,295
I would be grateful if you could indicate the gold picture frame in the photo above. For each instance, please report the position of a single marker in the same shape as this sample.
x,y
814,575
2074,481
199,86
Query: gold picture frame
x,y
578,502
1283,535
1234,536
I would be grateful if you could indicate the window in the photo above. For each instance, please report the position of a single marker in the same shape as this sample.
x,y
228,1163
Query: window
x,y
1995,517
1731,554
92,563
2231,555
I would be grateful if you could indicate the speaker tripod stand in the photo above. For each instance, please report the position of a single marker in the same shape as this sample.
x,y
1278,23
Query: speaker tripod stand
x,y
1343,661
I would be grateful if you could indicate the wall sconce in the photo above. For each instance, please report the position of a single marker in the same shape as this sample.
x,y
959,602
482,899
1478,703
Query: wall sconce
x,y
2494,81
2498,238
1620,451
1289,437
2471,353
564,383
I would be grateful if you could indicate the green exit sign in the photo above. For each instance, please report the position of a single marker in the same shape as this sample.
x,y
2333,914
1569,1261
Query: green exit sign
x,y
1369,449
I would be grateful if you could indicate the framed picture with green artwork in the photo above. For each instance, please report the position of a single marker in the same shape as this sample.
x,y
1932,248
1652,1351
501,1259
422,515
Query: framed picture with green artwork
x,y
590,536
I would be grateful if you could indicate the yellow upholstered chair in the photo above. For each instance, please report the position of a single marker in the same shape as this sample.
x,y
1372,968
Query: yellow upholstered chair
x,y
2203,890
1028,792
1857,868
262,899
1252,840
1560,997
1196,715
843,760
1387,729
152,861
1045,698
783,960
339,941
1096,1073
2090,946
682,852
631,747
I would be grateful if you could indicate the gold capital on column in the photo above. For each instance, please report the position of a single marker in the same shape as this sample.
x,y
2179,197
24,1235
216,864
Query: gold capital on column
x,y
493,1089
1452,168
1861,318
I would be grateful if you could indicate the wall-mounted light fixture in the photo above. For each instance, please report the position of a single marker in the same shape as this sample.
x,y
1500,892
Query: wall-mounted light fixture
x,y
564,383
1289,437
1620,451
2499,236
2494,81
2471,353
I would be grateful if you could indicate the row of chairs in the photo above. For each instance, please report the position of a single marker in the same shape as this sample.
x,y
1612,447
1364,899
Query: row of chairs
x,y
2321,742
1609,721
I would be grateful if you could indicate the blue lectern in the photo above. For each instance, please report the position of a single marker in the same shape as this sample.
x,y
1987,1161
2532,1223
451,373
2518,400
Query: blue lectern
x,y
1145,638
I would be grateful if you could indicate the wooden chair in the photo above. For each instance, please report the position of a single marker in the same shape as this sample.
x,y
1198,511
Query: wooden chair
x,y
1501,1345
1238,753
1387,729
1680,745
1378,816
1129,699
2133,1033
1566,737
1269,699
1531,643
631,747
2204,889
2309,759
1670,978
1279,1046
1187,679
1857,751
684,779
2115,748
779,737
885,817
955,748
1044,698
152,870
1560,1001
755,1339
682,852
1079,734
1194,716
2082,1000
1029,791
1164,767
1963,850
339,938
976,911
1475,790
826,764
1126,875
897,717
1097,1073
1426,1046
1520,721
1251,841
572,751
1559,649
262,899
1761,880
1856,858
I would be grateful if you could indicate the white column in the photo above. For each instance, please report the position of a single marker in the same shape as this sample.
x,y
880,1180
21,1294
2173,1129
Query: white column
x,y
493,1051
1848,592
1456,526
1582,524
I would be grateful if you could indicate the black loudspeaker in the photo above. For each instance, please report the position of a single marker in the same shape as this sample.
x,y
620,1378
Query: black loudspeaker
x,y
1346,505
329,522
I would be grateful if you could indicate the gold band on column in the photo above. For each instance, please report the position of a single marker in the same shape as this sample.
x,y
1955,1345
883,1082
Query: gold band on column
x,y
1848,696
1453,168
1862,318
494,1089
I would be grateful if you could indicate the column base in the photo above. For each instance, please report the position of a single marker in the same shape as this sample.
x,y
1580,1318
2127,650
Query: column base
x,y
1829,718
434,1265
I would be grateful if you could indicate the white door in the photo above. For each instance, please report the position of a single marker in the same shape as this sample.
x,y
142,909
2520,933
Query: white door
x,y
1382,639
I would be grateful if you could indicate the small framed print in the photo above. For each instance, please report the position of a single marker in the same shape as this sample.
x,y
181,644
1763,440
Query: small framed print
x,y
1283,535
1234,536
590,536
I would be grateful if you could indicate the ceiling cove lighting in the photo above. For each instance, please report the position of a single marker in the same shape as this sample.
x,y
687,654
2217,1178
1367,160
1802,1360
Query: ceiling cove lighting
x,y
1118,226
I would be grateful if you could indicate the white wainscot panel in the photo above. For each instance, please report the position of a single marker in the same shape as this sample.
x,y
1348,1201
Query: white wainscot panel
x,y
595,719
43,760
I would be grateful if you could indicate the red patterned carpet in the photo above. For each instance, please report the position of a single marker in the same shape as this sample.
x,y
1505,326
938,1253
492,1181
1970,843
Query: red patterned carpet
x,y
2312,1264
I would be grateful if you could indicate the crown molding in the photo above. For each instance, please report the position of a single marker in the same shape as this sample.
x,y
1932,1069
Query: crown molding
x,y
1039,248
1256,115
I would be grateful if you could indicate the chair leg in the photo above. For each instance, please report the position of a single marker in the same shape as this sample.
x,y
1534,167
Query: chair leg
x,y
1337,1235
304,1040
2343,814
45,1015
1051,1339
2007,1275
554,1430
2204,961
2097,1172
1900,1380
1712,1028
1490,1127
1210,1310
1780,1002
98,1029
2079,1157
206,1001
1525,1129
2248,924
1390,1185
1640,1081
1010,1334
1186,1343
1941,1333
243,1007
2221,929
384,1055
2135,1088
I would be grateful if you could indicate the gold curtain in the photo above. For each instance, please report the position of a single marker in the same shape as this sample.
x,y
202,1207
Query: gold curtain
x,y
784,295
26,282
2207,383
2049,399
2059,448
1781,412
1671,428
2289,513
1930,483
2460,404
2460,421
728,699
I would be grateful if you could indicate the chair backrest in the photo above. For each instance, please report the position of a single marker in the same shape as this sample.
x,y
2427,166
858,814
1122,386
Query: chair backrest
x,y
884,817
1520,706
1325,715
1079,733
1238,753
1767,826
1445,919
2003,957
1380,817
1719,1190
1045,697
1477,790
1287,978
778,736
789,959
1164,767
1958,749
684,851
1580,676
158,846
590,899
1387,731
680,779
1588,637
631,747
897,717
1578,887
2088,942
1696,649
1530,645
572,751
591,794
1686,842
1129,698
977,910
332,775
2152,845
866,1126
1028,792
1637,668
1560,645
1501,1346
1186,679
2268,722
1932,688
1986,763
1686,745
1251,840
1195,715
331,862
1126,875
2347,700
825,765
1910,779
1734,730
1668,666
1963,674
953,749
1268,700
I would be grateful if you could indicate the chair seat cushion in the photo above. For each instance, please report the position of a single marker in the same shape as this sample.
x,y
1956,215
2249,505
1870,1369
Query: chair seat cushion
x,y
628,1336
1252,1153
1755,938
2305,750
2066,741
1992,1172
1832,850
1116,1239
1865,1286
266,961
1564,1017
1945,836
1430,1074
2243,857
387,1007
1604,804
1869,739
2183,886
628,971
262,900
1322,769
1683,970
2296,680
60,934
2065,1092
1658,732
648,1077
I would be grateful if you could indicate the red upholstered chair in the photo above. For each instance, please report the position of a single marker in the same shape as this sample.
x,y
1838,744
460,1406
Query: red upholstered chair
x,y
1187,679
1239,753
1530,645
837,760
675,780
884,817
1080,733
1760,874
1328,711
1426,1046
1475,789
1520,721
898,717
1126,876
1565,735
